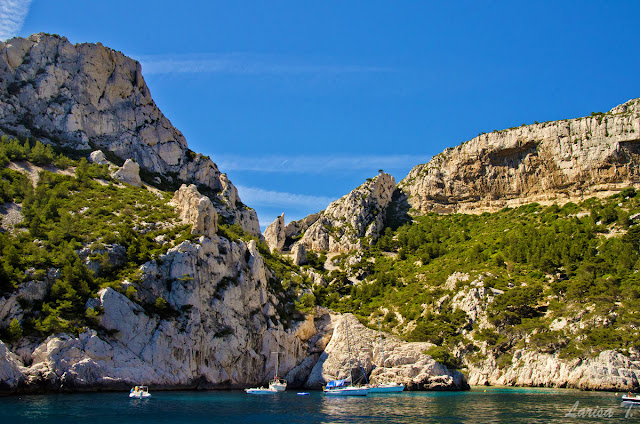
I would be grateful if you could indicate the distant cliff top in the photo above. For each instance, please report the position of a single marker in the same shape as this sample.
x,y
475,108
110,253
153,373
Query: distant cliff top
x,y
554,161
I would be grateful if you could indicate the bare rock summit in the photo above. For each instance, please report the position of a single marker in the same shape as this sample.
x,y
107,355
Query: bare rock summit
x,y
275,235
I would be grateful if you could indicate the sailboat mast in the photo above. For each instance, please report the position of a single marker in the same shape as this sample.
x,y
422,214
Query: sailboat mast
x,y
346,324
381,343
277,357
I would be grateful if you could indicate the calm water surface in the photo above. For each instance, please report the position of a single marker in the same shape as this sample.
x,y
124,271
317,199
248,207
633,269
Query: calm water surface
x,y
480,405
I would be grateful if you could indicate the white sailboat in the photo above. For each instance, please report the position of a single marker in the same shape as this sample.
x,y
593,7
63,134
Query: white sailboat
x,y
340,387
387,387
276,385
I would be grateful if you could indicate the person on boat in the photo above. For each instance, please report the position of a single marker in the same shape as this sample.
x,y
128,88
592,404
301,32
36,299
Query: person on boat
x,y
630,395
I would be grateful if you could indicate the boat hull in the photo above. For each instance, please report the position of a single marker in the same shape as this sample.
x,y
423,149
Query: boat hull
x,y
387,388
631,399
347,391
278,385
261,391
139,395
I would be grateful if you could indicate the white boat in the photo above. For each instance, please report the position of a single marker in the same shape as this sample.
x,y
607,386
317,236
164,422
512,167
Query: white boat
x,y
261,391
631,398
340,387
387,387
276,385
140,392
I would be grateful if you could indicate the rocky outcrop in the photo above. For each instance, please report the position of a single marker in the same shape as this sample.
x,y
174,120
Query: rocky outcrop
x,y
196,210
274,234
550,162
129,173
98,157
609,371
11,376
351,221
103,258
299,254
28,292
87,95
404,362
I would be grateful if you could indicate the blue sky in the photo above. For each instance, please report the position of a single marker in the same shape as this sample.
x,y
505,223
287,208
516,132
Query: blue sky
x,y
300,101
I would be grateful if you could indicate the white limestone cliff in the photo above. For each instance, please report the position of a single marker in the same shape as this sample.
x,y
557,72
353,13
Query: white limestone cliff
x,y
275,235
87,96
404,362
218,329
610,370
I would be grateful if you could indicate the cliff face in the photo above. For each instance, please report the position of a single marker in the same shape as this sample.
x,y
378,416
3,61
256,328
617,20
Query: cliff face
x,y
609,371
88,96
348,222
553,161
218,329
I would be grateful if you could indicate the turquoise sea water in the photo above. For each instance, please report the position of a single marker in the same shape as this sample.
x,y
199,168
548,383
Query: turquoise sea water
x,y
480,405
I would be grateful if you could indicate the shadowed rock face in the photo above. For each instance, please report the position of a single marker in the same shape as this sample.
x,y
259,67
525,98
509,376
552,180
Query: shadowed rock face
x,y
553,161
87,95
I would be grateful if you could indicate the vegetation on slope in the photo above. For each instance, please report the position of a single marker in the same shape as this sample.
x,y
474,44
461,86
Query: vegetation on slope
x,y
81,231
576,264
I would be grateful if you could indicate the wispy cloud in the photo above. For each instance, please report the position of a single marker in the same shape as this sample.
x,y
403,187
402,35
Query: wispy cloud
x,y
259,197
12,16
316,164
243,63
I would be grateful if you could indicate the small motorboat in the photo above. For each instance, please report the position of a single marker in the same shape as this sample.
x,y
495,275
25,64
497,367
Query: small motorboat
x,y
140,392
261,391
631,398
